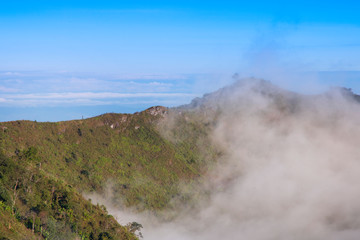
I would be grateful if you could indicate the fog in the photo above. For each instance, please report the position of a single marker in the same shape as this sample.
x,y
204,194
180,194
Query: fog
x,y
290,169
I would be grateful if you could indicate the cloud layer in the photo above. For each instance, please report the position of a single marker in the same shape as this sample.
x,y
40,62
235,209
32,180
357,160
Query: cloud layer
x,y
290,170
18,89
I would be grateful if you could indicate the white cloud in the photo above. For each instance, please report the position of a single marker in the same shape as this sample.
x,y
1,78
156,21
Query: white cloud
x,y
151,76
8,90
40,88
91,98
93,95
11,74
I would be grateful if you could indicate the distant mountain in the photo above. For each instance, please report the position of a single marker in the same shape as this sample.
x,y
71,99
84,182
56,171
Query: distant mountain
x,y
231,94
242,90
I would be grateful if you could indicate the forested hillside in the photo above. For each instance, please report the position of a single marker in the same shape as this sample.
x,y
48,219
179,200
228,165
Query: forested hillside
x,y
45,167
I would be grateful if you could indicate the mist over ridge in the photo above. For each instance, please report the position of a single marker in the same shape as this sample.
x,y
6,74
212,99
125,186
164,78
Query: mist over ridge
x,y
289,167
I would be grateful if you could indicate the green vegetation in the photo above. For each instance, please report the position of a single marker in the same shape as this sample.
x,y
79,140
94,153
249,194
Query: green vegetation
x,y
45,167
49,208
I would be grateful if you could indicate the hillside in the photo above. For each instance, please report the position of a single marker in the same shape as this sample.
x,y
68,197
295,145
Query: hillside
x,y
46,166
150,161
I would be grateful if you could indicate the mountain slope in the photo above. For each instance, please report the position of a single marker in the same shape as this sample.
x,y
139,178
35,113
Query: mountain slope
x,y
47,206
123,153
150,161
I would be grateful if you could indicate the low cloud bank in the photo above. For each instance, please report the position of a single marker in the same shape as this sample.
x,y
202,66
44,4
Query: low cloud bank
x,y
290,170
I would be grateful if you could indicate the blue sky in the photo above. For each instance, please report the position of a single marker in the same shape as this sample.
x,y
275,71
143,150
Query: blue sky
x,y
70,59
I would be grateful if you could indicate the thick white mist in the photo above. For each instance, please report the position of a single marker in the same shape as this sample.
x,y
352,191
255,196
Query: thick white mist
x,y
290,170
295,167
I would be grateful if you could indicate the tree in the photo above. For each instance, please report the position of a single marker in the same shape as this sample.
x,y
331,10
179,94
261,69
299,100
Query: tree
x,y
133,227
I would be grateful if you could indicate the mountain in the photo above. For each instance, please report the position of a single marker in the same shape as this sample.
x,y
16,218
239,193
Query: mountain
x,y
46,167
152,160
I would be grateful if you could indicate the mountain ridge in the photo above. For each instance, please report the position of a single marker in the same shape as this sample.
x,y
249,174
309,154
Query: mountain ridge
x,y
146,158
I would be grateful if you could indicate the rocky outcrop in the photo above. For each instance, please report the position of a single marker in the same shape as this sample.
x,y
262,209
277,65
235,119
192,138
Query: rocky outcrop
x,y
157,110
